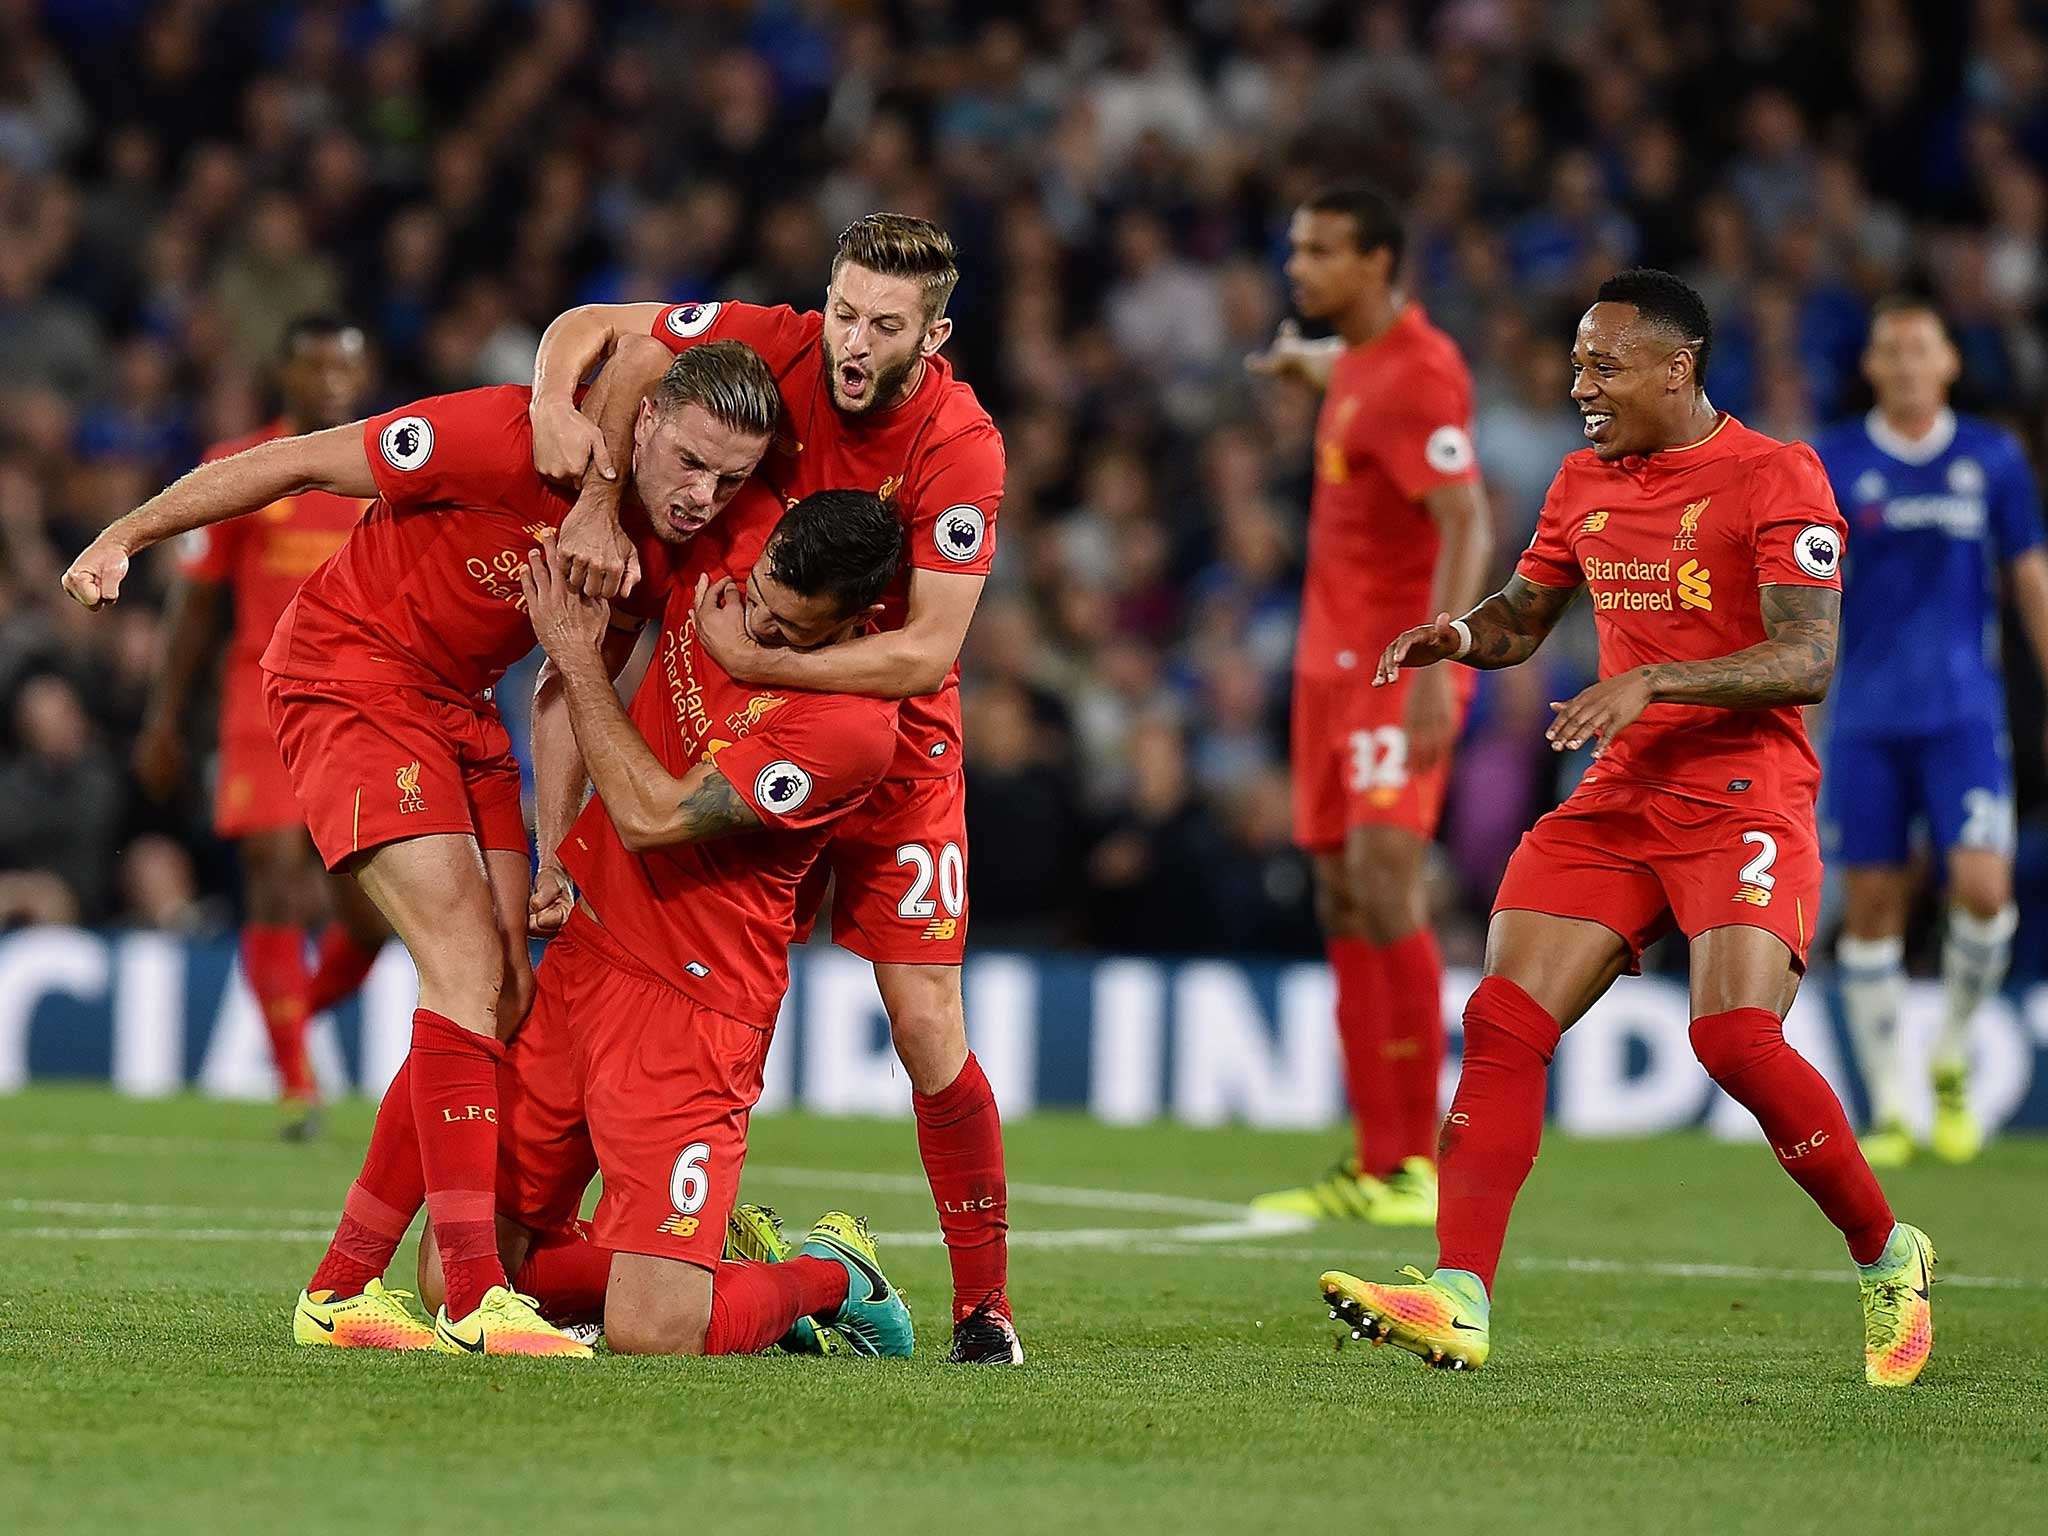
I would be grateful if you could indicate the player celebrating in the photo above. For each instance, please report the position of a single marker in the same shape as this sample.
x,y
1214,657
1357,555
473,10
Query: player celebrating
x,y
323,376
1713,556
868,402
1398,530
1937,503
378,684
643,1056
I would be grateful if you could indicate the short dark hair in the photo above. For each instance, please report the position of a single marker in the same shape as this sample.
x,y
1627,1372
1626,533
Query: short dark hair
x,y
730,380
845,545
1908,302
1667,301
903,245
314,327
1375,220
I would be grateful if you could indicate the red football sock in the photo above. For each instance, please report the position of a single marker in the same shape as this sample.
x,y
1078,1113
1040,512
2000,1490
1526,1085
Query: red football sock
x,y
1412,1052
1744,1050
960,1138
455,1100
1361,1030
753,1305
1495,1126
383,1200
339,966
274,965
567,1278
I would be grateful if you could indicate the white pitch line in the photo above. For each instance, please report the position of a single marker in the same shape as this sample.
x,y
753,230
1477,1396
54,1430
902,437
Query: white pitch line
x,y
167,1234
130,1208
1071,1196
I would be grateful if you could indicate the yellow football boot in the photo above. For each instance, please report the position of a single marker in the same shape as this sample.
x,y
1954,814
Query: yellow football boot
x,y
505,1323
1958,1135
1345,1193
1889,1145
1898,1312
1407,1197
1424,1315
753,1235
377,1319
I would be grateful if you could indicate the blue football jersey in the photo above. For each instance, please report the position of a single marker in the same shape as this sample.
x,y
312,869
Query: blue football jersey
x,y
1930,524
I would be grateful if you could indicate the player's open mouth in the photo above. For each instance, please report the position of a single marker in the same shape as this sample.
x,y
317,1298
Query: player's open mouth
x,y
1596,423
686,522
853,383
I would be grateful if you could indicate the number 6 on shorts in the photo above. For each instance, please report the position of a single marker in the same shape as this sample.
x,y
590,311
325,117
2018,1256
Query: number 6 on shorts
x,y
690,1182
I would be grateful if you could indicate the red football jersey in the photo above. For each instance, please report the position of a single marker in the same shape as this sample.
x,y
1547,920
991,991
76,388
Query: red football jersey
x,y
1396,423
716,917
425,592
262,558
1676,548
937,456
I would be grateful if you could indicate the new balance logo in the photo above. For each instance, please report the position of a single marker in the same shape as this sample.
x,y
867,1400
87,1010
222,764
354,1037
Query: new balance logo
x,y
1756,895
941,928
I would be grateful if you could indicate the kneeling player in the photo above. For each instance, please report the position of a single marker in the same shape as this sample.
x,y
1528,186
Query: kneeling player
x,y
1712,553
643,1056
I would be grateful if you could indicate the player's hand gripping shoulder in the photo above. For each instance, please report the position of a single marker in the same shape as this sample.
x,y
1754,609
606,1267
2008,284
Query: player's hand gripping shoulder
x,y
569,627
1505,631
1791,666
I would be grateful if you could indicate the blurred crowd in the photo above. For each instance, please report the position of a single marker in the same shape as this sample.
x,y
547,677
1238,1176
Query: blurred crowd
x,y
179,180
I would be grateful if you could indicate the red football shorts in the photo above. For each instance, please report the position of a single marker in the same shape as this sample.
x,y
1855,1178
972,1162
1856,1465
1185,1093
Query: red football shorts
x,y
1350,757
373,763
253,793
1643,862
898,864
614,1071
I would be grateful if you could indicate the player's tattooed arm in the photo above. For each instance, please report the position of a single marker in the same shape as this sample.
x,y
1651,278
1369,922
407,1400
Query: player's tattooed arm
x,y
1506,629
1793,664
710,807
217,490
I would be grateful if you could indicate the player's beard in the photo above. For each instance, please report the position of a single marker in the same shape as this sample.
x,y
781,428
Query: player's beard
x,y
883,389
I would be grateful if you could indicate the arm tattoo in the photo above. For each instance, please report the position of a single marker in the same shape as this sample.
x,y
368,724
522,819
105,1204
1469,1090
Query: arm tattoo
x,y
1793,666
1508,626
713,809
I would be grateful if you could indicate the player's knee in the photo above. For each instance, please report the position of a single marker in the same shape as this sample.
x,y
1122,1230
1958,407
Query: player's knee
x,y
927,1022
1338,909
1730,1043
1982,887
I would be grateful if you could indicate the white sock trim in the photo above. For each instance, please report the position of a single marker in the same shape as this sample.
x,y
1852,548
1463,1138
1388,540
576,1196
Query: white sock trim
x,y
1870,954
1986,931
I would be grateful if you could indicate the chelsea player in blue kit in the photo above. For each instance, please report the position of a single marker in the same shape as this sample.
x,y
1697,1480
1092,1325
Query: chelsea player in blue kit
x,y
1939,505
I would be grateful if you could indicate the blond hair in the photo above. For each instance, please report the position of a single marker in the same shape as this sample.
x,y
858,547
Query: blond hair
x,y
730,380
902,245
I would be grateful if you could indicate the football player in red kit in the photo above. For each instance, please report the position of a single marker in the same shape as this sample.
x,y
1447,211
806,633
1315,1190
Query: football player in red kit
x,y
1713,556
642,1058
1398,530
869,402
259,562
378,683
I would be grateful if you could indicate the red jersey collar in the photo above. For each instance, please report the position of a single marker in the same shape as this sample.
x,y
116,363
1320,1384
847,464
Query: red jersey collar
x,y
1640,461
1409,318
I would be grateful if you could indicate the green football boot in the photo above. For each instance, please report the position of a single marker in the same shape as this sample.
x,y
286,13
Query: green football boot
x,y
753,1235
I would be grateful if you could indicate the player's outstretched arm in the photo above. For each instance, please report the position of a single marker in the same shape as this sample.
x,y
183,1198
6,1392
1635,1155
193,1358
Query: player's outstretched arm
x,y
1503,631
905,663
1294,356
1793,664
332,460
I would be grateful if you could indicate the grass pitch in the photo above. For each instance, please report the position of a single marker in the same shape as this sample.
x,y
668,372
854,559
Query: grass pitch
x,y
1676,1349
